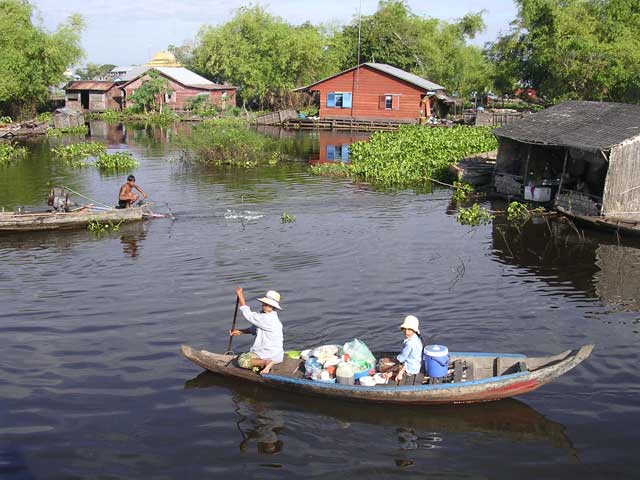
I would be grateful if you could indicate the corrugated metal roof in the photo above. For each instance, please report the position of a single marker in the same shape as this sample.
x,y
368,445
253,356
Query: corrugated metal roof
x,y
419,82
181,75
95,85
590,126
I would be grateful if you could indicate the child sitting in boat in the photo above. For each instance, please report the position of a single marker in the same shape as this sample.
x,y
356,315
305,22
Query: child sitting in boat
x,y
267,349
410,358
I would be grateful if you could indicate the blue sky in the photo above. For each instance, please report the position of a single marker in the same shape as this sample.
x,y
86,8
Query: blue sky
x,y
127,32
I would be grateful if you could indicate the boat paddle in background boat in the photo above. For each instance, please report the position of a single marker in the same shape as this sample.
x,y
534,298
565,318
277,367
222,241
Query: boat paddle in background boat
x,y
65,214
473,377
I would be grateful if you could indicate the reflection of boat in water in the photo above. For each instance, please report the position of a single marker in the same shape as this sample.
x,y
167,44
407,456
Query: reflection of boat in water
x,y
510,418
476,377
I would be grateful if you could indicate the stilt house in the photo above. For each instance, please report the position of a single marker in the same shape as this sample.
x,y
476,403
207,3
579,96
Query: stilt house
x,y
584,157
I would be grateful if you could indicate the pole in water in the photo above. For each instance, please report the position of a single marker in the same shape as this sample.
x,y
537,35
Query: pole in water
x,y
233,326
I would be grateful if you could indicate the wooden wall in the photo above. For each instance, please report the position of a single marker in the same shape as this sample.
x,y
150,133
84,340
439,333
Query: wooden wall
x,y
621,197
366,97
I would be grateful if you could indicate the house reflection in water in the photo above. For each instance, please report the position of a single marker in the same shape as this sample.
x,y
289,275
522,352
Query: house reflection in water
x,y
335,146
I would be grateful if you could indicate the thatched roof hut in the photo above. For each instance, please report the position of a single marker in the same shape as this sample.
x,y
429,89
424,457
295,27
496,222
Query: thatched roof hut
x,y
586,155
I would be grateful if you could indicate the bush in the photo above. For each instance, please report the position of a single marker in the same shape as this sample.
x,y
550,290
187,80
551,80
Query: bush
x,y
332,169
415,153
58,132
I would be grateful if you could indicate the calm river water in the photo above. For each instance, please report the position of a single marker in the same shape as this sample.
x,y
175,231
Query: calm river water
x,y
92,384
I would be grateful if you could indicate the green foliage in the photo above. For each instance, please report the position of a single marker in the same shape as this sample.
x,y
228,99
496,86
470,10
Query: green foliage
x,y
201,105
116,161
94,71
10,153
287,218
229,142
520,213
414,153
150,94
461,191
310,111
96,226
59,132
31,58
474,216
79,150
332,169
5,120
264,55
44,117
573,49
111,116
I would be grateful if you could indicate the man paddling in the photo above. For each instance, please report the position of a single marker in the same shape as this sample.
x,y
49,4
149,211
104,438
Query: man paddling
x,y
267,349
126,197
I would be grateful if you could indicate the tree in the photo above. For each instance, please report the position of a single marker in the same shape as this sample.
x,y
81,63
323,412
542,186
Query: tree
x,y
150,94
94,71
264,56
428,47
574,49
32,59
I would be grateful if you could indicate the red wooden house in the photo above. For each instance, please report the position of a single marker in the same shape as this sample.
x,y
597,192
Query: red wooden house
x,y
377,91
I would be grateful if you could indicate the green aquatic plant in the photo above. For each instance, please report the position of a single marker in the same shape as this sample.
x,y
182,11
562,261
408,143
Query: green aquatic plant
x,y
44,117
287,218
10,153
474,216
520,213
414,154
78,151
59,132
5,120
116,161
228,141
96,226
461,191
331,169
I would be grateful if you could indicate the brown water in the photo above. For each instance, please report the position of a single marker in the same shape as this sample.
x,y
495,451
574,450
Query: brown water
x,y
92,384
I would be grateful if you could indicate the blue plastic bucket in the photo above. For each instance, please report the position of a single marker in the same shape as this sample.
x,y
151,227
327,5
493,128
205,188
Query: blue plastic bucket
x,y
436,360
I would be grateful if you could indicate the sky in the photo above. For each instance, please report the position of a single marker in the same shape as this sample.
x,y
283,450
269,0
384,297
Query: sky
x,y
128,32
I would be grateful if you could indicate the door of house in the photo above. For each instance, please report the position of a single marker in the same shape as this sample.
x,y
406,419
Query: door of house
x,y
84,100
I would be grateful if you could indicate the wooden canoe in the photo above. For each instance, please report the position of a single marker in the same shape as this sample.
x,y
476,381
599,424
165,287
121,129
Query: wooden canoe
x,y
81,217
622,225
476,377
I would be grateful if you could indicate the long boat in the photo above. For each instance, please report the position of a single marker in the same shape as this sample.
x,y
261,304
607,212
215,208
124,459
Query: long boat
x,y
80,217
621,225
475,377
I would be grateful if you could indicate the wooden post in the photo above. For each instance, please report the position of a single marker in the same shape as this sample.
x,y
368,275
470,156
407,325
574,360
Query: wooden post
x,y
526,169
564,169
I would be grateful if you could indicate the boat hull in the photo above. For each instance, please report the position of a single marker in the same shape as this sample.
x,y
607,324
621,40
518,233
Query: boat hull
x,y
482,390
21,222
630,227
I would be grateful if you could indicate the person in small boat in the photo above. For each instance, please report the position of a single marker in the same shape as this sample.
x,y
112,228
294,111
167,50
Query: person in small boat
x,y
409,360
126,197
267,349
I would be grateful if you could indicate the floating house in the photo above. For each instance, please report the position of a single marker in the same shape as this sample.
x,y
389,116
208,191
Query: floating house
x,y
97,96
582,157
93,96
377,91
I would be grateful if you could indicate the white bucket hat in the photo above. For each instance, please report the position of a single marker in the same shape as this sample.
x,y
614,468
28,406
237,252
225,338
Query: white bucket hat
x,y
271,298
411,322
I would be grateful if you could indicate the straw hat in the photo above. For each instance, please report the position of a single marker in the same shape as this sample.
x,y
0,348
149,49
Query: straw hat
x,y
271,298
411,322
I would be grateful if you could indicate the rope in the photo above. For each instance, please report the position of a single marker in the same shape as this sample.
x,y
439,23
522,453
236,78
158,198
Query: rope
x,y
87,198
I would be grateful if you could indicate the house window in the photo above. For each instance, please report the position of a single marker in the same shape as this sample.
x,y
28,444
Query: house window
x,y
390,101
339,99
72,97
168,97
338,153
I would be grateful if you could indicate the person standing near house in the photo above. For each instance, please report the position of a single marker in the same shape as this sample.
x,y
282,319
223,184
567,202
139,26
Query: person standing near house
x,y
126,197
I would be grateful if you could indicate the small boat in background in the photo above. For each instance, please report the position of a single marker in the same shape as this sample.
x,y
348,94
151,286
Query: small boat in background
x,y
475,377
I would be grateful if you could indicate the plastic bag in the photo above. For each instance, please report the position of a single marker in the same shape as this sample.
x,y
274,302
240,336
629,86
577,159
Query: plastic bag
x,y
324,352
360,355
312,366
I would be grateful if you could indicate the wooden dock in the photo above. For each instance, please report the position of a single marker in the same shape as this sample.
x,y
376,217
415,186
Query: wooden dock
x,y
342,124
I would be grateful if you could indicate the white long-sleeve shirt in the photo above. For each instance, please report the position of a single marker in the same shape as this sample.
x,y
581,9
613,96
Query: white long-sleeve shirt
x,y
267,328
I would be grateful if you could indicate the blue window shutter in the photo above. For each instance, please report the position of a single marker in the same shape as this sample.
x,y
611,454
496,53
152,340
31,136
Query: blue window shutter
x,y
346,100
331,152
331,99
345,153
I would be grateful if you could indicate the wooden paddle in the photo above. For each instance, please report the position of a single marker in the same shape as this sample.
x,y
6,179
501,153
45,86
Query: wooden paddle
x,y
233,326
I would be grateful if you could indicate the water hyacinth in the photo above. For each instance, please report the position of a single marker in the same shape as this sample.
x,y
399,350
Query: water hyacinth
x,y
116,161
10,153
415,153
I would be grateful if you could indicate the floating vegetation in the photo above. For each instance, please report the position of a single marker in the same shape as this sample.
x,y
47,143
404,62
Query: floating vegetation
x,y
474,216
520,213
116,161
332,169
287,218
10,153
229,142
461,191
415,153
59,132
75,152
96,226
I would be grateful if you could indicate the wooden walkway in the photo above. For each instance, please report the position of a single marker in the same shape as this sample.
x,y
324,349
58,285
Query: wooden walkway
x,y
347,124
